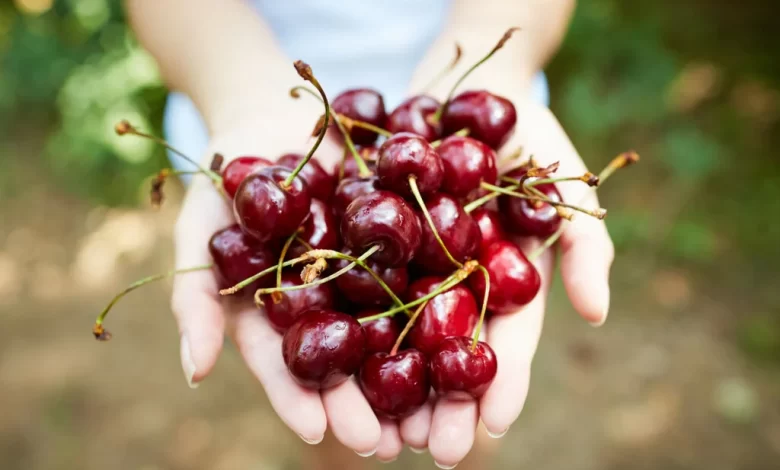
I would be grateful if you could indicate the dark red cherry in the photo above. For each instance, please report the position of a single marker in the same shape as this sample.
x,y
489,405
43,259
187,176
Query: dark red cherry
x,y
360,288
467,163
323,348
488,117
395,386
458,231
531,218
369,155
490,226
514,281
382,218
266,211
350,189
452,313
237,256
459,373
319,182
365,105
295,302
404,155
320,230
413,115
380,334
235,171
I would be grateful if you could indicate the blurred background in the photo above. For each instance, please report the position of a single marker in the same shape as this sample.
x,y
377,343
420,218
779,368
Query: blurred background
x,y
684,375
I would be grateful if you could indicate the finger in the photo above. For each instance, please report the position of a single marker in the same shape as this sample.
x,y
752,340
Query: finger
x,y
453,427
351,419
195,301
514,339
416,427
390,444
261,347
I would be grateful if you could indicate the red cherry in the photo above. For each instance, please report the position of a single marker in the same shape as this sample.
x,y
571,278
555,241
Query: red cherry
x,y
514,281
467,163
360,288
382,218
296,302
369,155
238,256
320,230
413,115
458,231
265,210
319,182
395,386
350,189
488,117
531,218
381,334
490,226
323,348
451,313
365,105
235,171
404,155
457,372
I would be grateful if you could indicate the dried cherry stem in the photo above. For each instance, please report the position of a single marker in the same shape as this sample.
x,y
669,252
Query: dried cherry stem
x,y
461,133
348,122
276,296
304,70
508,34
103,334
407,328
421,203
446,70
482,312
598,213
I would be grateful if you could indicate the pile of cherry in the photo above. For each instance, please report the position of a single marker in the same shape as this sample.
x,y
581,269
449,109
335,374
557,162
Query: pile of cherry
x,y
413,232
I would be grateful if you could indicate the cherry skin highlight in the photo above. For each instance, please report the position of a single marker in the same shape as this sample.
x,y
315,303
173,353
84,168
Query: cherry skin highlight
x,y
236,170
237,256
365,105
404,155
490,226
323,348
319,182
488,117
360,288
514,281
457,229
459,373
395,386
295,302
380,334
350,189
413,115
531,218
320,230
265,210
382,218
467,163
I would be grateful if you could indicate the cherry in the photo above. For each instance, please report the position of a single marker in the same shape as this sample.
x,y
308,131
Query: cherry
x,y
382,218
238,169
490,226
457,372
238,256
514,281
414,115
451,313
531,218
350,189
381,333
369,155
404,155
397,385
365,105
467,163
323,348
266,210
320,230
457,229
295,302
488,117
360,288
319,182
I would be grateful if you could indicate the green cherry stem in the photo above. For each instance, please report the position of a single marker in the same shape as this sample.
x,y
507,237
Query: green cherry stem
x,y
445,71
598,213
407,328
349,122
233,289
421,203
277,297
482,313
100,332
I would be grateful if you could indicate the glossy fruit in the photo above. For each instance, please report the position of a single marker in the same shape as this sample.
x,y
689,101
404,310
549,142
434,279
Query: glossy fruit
x,y
457,372
237,256
395,386
490,226
452,313
236,170
514,281
457,229
350,189
382,218
467,163
360,288
319,182
323,348
365,105
531,218
488,117
320,230
295,302
369,155
404,155
413,115
380,334
266,211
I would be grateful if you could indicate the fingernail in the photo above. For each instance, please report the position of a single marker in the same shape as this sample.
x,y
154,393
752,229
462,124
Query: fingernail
x,y
603,319
419,451
366,454
498,435
313,442
187,364
388,461
445,467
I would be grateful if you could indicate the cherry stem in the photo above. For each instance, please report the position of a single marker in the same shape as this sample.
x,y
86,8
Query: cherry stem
x,y
598,213
251,279
461,133
343,165
304,70
303,242
418,197
348,121
446,70
276,297
407,328
437,117
482,313
100,332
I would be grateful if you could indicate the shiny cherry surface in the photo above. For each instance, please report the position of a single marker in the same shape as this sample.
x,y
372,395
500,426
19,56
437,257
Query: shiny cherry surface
x,y
295,302
457,229
360,288
380,334
319,182
320,230
236,170
413,115
395,386
362,104
488,117
459,373
514,281
531,218
350,189
237,256
467,163
490,226
404,155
